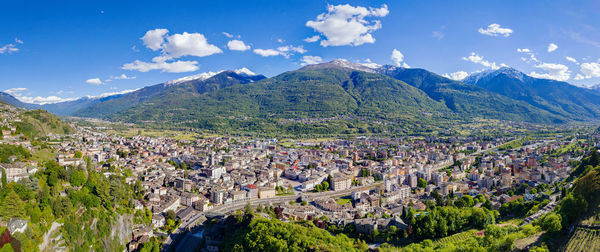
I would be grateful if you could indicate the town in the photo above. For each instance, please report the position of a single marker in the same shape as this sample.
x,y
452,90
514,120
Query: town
x,y
367,181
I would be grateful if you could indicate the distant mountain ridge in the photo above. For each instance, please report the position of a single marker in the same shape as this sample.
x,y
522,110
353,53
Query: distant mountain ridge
x,y
557,97
176,90
241,99
104,105
468,99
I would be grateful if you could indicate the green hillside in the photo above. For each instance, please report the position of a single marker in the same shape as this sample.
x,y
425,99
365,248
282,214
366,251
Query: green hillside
x,y
165,91
38,123
330,100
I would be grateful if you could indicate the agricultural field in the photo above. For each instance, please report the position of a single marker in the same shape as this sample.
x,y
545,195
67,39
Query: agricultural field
x,y
455,238
584,239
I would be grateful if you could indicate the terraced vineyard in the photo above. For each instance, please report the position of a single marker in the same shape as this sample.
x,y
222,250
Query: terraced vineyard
x,y
456,237
584,239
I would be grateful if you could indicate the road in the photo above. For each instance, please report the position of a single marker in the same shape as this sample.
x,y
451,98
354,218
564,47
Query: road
x,y
232,207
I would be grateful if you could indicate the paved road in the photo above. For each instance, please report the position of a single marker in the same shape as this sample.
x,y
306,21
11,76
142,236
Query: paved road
x,y
546,209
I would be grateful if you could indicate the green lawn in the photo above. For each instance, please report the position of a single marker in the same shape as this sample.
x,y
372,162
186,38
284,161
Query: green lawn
x,y
344,201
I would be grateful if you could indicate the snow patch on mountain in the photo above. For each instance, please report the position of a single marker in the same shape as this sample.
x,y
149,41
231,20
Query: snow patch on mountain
x,y
200,76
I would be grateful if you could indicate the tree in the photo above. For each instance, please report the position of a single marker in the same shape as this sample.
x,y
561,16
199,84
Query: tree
x,y
439,199
318,187
550,222
594,159
170,215
572,207
12,207
78,177
443,227
7,248
487,204
325,185
422,183
78,154
469,202
4,180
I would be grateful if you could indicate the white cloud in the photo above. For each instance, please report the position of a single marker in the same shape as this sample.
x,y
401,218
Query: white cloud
x,y
111,93
348,25
17,93
266,52
192,44
460,75
285,51
437,34
94,81
44,100
8,48
159,63
122,77
495,30
18,41
591,69
572,59
227,35
280,40
309,60
554,71
312,39
552,47
155,39
478,59
237,45
531,54
398,58
173,47
13,91
579,77
133,48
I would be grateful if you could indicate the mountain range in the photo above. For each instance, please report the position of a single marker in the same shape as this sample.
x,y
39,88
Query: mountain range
x,y
338,96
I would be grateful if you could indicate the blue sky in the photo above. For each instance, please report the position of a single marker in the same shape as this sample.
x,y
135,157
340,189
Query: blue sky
x,y
52,51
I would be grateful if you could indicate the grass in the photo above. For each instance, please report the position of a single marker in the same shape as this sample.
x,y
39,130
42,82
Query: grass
x,y
43,155
343,201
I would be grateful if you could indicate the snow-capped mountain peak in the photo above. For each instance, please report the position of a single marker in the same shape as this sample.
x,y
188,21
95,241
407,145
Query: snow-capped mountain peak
x,y
200,76
507,71
245,71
